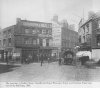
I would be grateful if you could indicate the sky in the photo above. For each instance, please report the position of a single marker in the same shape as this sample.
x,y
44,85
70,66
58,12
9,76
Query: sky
x,y
44,10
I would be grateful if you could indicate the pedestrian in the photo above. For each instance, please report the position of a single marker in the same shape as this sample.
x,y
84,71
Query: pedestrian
x,y
59,61
27,60
48,60
41,60
7,60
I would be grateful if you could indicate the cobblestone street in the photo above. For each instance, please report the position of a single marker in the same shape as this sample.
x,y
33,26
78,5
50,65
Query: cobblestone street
x,y
51,72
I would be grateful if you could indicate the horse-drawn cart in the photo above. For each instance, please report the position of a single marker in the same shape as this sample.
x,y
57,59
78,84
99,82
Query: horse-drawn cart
x,y
68,57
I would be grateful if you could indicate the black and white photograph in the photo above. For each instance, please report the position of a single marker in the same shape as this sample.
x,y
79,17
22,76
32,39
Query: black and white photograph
x,y
50,42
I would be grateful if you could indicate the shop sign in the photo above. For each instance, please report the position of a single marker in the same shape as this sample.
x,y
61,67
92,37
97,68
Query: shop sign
x,y
45,25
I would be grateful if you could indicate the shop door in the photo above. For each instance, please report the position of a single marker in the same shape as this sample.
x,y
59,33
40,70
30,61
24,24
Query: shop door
x,y
27,53
35,58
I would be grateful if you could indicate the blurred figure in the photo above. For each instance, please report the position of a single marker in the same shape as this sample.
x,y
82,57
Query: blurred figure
x,y
59,61
41,60
48,60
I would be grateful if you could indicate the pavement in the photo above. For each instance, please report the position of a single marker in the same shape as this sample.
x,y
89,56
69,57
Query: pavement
x,y
51,72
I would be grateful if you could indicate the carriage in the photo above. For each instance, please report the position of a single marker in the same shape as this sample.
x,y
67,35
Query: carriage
x,y
68,57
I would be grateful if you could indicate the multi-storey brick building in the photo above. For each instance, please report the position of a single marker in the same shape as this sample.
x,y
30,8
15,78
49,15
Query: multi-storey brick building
x,y
89,36
28,38
63,37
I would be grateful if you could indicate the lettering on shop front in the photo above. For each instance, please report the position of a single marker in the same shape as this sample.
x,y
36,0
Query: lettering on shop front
x,y
37,25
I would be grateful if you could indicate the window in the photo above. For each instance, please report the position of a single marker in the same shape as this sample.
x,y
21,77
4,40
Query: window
x,y
4,34
87,28
0,42
47,42
99,23
33,31
27,31
47,31
98,40
41,42
40,31
37,41
4,42
37,30
28,40
44,42
84,38
9,41
84,29
79,39
34,41
50,32
43,31
9,32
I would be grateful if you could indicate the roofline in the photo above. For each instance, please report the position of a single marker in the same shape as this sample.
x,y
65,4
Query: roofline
x,y
7,28
89,20
36,21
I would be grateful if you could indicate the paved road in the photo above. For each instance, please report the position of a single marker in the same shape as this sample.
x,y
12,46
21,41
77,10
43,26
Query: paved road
x,y
50,72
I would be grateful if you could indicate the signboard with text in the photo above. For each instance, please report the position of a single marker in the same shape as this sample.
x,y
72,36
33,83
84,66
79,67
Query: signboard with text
x,y
37,24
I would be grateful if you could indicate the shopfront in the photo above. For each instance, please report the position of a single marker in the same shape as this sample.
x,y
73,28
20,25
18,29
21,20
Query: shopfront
x,y
45,52
31,54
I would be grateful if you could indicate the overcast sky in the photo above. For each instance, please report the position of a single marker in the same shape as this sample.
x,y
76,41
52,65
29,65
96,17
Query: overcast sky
x,y
43,10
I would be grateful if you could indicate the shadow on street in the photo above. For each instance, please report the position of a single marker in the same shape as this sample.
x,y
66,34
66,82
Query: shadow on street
x,y
7,68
